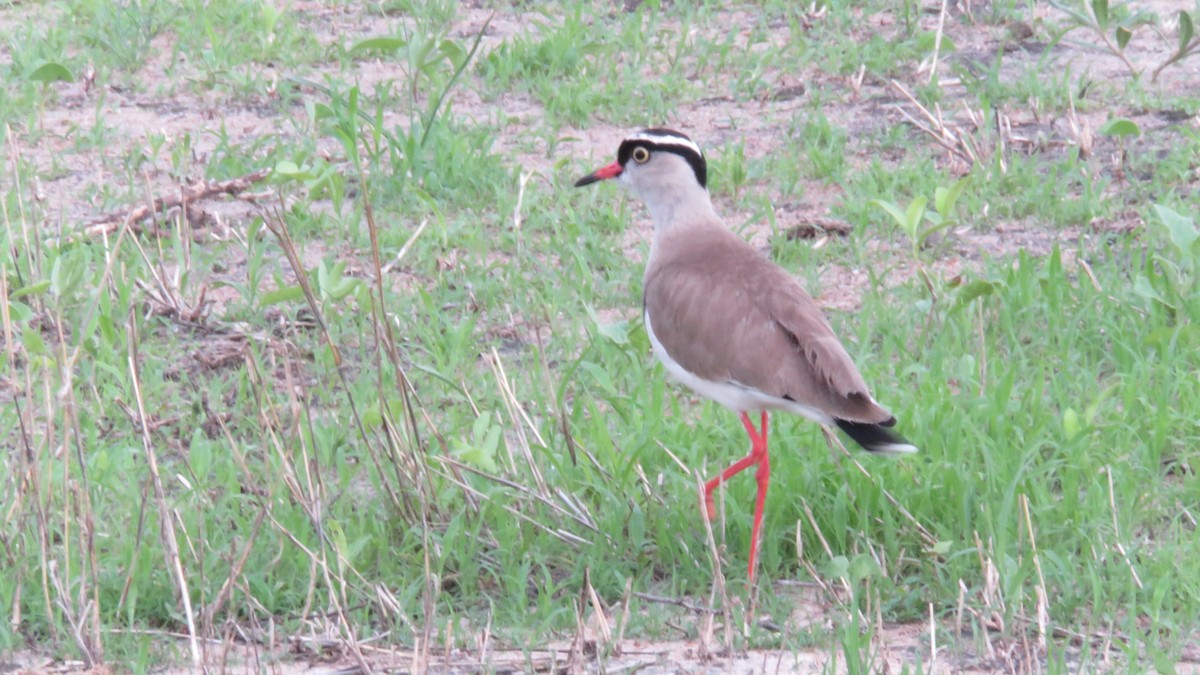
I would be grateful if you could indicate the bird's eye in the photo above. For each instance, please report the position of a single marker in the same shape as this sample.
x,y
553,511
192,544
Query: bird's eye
x,y
641,155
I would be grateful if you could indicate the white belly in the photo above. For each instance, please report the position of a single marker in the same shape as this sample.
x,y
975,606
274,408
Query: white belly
x,y
732,395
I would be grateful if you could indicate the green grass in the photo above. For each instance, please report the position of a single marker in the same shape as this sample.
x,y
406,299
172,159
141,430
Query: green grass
x,y
463,442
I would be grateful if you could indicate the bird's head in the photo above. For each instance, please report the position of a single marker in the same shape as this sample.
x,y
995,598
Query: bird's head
x,y
656,164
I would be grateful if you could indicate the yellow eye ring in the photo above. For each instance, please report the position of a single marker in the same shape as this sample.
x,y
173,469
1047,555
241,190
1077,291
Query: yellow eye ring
x,y
641,155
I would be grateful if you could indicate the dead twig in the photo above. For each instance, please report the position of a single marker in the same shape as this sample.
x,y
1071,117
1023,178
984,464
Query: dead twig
x,y
676,602
111,222
811,227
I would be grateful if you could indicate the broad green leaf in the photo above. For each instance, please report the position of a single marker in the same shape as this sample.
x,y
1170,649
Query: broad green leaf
x,y
894,211
372,417
1180,228
323,275
289,169
19,311
944,199
453,52
1120,127
31,289
1144,288
1123,35
51,72
942,547
338,538
618,331
383,44
285,294
33,342
601,377
1070,424
323,111
970,292
1186,30
914,214
1100,11
862,567
480,426
927,41
200,455
480,451
66,274
341,287
837,566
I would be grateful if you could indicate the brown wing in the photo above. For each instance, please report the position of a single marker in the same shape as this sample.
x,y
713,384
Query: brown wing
x,y
724,312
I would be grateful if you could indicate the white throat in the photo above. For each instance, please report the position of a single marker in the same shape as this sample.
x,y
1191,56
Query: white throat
x,y
674,201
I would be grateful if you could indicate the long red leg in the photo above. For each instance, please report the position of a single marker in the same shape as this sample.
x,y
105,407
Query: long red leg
x,y
763,477
758,456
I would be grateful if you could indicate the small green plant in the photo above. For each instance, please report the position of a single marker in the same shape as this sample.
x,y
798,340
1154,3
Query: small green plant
x,y
481,448
1121,129
321,182
422,58
1169,279
47,74
918,222
123,31
1115,25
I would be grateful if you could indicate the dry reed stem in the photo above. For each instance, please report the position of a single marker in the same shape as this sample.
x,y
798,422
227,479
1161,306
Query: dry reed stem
x,y
1042,598
308,492
564,536
235,572
517,415
404,450
718,591
166,524
812,519
937,129
937,42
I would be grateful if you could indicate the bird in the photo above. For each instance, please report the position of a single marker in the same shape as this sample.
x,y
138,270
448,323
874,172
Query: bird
x,y
729,323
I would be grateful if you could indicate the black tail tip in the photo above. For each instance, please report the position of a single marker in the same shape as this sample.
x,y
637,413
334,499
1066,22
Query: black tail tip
x,y
877,437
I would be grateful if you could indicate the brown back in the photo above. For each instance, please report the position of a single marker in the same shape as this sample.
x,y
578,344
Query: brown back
x,y
724,312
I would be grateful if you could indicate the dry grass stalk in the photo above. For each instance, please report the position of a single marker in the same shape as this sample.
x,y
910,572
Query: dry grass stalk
x,y
1112,505
402,442
235,572
835,442
718,592
558,533
520,421
812,519
279,228
993,598
804,562
937,42
953,140
166,524
676,602
165,293
1041,596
